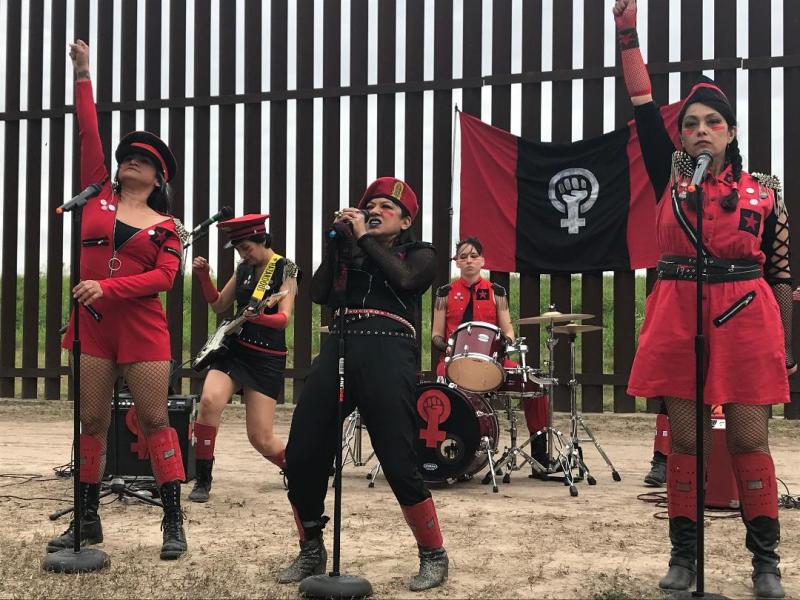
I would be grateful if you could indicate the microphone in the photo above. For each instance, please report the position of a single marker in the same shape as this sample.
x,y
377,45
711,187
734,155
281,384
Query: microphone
x,y
702,163
80,199
225,213
342,229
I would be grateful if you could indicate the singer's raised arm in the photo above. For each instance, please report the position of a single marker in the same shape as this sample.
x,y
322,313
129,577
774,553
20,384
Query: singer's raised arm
x,y
93,167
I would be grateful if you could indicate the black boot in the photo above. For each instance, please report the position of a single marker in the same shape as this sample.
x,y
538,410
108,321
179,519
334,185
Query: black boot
x,y
539,450
433,566
312,560
91,528
657,477
682,562
174,544
763,537
202,482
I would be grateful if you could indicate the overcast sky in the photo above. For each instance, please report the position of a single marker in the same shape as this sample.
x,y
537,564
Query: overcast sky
x,y
579,25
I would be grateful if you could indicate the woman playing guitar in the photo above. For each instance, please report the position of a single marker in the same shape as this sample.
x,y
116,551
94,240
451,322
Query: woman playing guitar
x,y
256,356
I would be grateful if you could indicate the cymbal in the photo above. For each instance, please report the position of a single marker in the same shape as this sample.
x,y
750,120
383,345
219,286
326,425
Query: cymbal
x,y
573,328
554,316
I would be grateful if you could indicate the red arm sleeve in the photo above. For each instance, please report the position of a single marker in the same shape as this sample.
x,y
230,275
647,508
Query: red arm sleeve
x,y
93,167
158,279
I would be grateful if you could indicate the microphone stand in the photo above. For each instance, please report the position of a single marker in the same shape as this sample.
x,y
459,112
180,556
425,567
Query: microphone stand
x,y
335,584
76,559
699,355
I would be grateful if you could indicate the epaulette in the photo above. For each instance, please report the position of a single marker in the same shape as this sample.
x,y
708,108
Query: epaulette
x,y
183,234
444,290
290,269
682,165
499,290
773,183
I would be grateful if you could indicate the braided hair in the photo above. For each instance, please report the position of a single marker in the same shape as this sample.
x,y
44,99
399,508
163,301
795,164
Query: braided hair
x,y
734,158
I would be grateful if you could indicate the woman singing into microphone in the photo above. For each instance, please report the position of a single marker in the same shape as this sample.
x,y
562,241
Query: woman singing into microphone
x,y
375,272
747,303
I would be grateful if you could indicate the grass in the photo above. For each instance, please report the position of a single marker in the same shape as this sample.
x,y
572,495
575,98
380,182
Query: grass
x,y
514,295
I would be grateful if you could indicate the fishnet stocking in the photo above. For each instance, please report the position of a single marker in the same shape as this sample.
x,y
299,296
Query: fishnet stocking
x,y
783,296
747,428
97,382
682,426
149,382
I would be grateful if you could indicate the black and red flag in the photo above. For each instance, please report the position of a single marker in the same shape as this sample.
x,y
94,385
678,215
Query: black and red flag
x,y
547,208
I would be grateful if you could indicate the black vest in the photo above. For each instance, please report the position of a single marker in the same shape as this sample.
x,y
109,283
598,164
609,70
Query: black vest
x,y
258,335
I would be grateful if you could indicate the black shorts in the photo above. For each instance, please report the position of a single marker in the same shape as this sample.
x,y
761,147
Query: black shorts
x,y
259,371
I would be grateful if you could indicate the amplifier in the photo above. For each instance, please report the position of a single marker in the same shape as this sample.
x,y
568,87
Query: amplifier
x,y
129,457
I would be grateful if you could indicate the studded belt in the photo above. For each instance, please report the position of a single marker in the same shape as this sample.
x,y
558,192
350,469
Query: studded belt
x,y
715,270
366,313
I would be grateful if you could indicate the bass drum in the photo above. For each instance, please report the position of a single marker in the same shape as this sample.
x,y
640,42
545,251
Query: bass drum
x,y
451,426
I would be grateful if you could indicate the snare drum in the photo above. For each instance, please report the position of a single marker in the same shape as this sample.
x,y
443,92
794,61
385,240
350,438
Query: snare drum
x,y
475,354
451,426
514,384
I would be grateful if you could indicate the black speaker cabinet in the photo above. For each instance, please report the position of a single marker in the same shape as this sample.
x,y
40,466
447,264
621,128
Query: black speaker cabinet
x,y
128,457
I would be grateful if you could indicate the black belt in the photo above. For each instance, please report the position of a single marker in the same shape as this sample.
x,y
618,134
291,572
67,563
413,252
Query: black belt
x,y
715,270
395,334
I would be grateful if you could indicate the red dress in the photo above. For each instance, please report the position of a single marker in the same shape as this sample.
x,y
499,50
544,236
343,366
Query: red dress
x,y
745,357
133,327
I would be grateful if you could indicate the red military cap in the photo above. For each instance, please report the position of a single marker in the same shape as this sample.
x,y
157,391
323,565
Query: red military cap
x,y
152,146
396,190
243,227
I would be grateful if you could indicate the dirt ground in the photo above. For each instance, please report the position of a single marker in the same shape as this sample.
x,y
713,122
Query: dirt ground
x,y
531,540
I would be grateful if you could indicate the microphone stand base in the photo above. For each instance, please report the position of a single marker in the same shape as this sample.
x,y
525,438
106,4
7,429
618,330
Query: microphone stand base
x,y
688,595
335,586
84,560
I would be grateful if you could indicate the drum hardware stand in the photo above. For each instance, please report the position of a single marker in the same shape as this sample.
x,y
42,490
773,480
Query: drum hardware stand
x,y
351,443
574,450
555,440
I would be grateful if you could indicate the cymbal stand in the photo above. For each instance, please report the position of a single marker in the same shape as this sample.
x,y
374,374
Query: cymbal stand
x,y
574,450
351,444
556,444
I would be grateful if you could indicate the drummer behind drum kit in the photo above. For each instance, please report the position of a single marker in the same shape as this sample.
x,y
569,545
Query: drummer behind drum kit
x,y
458,428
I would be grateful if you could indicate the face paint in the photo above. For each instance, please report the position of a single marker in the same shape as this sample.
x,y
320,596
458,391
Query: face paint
x,y
386,212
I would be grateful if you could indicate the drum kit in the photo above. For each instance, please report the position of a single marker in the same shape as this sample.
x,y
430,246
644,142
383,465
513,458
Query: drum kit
x,y
459,429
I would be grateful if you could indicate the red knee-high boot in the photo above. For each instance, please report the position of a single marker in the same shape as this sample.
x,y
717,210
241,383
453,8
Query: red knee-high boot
x,y
278,459
167,463
92,464
205,437
433,560
755,478
682,508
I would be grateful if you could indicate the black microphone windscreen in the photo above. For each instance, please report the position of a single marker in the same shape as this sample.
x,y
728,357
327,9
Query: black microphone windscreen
x,y
226,212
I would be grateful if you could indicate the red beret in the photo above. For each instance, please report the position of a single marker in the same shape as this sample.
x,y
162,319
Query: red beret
x,y
243,227
396,190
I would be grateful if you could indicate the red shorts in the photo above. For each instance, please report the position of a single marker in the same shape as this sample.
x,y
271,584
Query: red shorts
x,y
131,330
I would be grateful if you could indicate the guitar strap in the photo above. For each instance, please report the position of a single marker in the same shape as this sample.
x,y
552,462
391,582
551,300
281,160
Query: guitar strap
x,y
264,280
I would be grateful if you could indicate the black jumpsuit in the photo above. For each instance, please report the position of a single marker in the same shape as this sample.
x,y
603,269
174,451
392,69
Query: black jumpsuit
x,y
380,372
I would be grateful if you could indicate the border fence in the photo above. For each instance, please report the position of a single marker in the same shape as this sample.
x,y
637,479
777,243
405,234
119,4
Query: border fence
x,y
412,94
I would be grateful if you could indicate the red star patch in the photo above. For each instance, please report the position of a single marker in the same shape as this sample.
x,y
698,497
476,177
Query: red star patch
x,y
160,236
749,221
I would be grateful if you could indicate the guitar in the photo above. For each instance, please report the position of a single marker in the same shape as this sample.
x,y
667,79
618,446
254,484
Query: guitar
x,y
217,345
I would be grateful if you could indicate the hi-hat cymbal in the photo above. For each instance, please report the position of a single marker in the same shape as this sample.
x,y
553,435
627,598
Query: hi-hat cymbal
x,y
554,316
573,328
